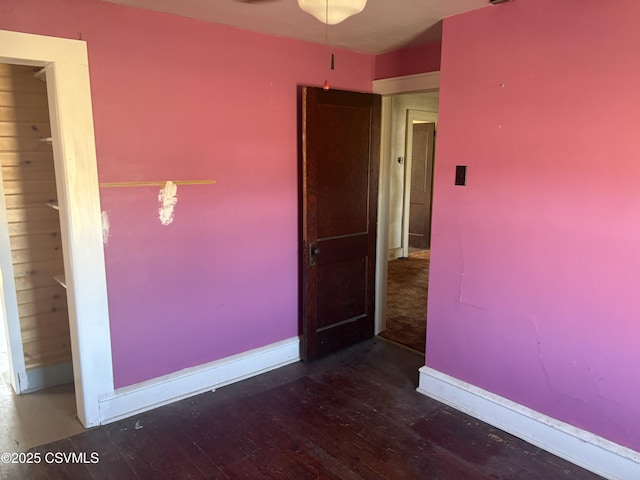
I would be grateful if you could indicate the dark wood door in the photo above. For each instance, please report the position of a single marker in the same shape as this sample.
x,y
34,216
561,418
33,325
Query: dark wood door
x,y
421,185
340,163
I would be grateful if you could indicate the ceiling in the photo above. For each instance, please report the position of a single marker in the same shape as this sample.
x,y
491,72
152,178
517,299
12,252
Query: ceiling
x,y
383,26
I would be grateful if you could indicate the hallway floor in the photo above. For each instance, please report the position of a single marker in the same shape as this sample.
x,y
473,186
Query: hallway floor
x,y
36,418
33,419
407,288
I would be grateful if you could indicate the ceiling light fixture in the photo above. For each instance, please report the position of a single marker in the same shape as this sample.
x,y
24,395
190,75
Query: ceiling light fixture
x,y
338,10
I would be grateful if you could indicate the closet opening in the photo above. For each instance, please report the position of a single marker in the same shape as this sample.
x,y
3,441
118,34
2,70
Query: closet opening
x,y
66,67
36,365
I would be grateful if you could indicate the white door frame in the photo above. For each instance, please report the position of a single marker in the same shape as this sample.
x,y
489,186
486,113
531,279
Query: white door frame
x,y
412,116
424,82
71,117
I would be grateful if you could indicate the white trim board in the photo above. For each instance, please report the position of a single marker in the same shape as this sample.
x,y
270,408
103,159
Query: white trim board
x,y
71,117
382,229
45,377
578,446
395,253
421,82
154,393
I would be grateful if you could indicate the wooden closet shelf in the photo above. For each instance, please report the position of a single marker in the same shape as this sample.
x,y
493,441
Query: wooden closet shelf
x,y
61,280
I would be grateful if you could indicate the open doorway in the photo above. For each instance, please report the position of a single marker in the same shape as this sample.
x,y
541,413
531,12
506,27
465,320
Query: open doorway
x,y
410,109
38,405
413,127
64,63
419,162
32,247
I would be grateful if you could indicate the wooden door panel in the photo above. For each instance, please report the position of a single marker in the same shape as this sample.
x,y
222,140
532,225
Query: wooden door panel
x,y
340,161
345,148
342,292
342,248
416,221
341,336
421,185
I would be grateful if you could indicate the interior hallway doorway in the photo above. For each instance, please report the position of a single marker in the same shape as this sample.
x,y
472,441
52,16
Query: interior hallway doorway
x,y
404,285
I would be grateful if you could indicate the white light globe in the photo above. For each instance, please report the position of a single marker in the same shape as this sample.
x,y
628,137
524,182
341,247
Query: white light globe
x,y
339,10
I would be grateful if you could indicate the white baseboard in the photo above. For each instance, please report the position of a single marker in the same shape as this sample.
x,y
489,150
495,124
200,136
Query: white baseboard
x,y
144,396
395,253
44,377
578,446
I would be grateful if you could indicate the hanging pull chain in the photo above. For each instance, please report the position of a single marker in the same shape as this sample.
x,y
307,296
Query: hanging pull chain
x,y
326,45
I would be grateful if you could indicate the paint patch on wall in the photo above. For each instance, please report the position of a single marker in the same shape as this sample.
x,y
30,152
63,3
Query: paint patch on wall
x,y
105,227
168,197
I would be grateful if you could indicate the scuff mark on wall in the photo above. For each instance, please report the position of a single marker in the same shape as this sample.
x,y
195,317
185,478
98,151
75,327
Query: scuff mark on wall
x,y
168,198
461,250
105,227
543,366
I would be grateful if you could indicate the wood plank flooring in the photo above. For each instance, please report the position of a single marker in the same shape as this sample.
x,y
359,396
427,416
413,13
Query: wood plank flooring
x,y
353,416
407,289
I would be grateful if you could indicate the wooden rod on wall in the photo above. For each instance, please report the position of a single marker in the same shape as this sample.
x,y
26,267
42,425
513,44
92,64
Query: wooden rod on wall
x,y
156,184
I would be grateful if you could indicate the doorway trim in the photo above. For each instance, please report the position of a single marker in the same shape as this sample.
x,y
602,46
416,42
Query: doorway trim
x,y
69,95
424,82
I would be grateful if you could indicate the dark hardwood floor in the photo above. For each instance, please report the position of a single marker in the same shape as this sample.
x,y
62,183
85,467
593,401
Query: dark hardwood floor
x,y
355,415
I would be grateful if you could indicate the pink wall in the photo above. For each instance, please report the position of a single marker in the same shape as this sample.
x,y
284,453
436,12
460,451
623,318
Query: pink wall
x,y
174,98
533,287
408,61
